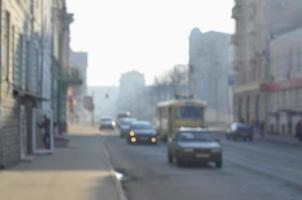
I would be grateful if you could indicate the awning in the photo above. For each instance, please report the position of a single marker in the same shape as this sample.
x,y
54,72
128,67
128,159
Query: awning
x,y
26,95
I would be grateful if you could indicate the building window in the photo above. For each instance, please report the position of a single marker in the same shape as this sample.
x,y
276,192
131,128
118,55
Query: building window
x,y
6,45
240,109
248,109
19,63
257,108
9,71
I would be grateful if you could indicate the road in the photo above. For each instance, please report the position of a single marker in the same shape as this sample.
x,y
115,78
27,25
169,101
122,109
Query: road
x,y
258,170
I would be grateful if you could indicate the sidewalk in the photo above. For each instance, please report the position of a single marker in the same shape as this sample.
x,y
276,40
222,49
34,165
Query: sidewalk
x,y
78,172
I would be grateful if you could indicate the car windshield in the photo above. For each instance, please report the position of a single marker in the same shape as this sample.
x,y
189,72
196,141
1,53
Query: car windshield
x,y
142,126
194,136
123,115
106,120
127,122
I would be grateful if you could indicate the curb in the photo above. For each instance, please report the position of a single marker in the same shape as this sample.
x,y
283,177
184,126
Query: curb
x,y
118,184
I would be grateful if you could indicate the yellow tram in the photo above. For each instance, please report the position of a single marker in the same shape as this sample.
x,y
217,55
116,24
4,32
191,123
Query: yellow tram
x,y
179,113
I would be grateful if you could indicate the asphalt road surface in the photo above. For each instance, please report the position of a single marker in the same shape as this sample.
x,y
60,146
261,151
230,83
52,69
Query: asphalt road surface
x,y
252,171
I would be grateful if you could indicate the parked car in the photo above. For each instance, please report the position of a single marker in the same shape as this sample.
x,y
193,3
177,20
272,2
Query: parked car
x,y
239,130
194,145
125,126
107,123
142,132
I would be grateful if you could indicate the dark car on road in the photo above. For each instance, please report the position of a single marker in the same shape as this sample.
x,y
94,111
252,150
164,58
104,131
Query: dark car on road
x,y
107,123
125,126
240,131
194,145
142,132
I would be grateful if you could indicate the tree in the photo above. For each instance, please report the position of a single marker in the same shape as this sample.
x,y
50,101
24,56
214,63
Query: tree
x,y
178,76
171,83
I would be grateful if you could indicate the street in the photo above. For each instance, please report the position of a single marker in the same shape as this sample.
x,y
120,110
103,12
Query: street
x,y
214,82
257,170
87,169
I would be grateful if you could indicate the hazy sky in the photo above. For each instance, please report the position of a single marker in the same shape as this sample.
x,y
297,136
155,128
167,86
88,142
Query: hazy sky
x,y
150,36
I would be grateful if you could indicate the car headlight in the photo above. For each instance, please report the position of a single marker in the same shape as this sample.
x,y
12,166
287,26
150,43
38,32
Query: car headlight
x,y
153,139
133,139
216,150
131,133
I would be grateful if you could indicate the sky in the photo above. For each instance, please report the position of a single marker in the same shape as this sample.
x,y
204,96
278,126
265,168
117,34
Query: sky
x,y
150,36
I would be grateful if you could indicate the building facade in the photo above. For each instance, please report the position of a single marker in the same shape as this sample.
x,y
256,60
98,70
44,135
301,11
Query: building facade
x,y
131,84
15,22
79,62
209,72
250,61
265,57
62,73
27,72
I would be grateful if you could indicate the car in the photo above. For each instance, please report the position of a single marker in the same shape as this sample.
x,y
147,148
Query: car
x,y
125,126
239,130
107,123
190,145
142,132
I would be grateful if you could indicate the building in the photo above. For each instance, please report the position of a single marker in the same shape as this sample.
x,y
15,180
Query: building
x,y
79,61
266,63
15,21
285,86
47,56
209,71
32,39
63,75
24,44
131,84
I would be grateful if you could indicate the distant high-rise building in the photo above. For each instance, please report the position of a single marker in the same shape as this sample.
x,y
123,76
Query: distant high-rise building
x,y
131,84
209,71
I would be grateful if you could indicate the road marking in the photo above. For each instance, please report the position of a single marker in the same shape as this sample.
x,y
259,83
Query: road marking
x,y
117,176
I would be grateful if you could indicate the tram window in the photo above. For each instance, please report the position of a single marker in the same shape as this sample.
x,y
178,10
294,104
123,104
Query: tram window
x,y
190,112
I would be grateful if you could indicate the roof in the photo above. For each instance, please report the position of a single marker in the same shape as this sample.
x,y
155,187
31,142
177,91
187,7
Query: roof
x,y
127,119
141,123
192,129
181,102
